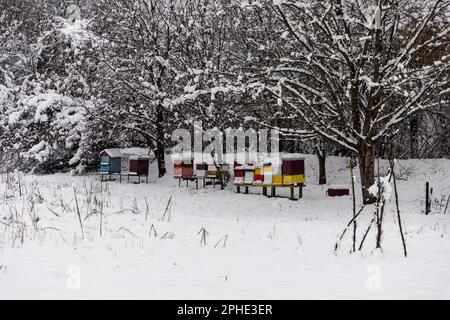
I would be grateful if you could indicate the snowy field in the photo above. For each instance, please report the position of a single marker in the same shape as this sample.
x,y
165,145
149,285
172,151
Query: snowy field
x,y
256,247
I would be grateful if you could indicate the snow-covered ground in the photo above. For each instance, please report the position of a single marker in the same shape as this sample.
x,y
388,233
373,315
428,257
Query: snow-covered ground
x,y
256,247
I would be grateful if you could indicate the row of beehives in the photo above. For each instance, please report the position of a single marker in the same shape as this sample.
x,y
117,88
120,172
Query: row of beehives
x,y
288,170
184,169
131,161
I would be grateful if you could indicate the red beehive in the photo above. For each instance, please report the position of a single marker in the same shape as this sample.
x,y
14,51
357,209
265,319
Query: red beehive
x,y
187,169
239,173
338,191
177,168
259,174
139,165
294,167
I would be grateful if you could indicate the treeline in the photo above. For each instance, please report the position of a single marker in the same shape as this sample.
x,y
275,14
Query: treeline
x,y
361,78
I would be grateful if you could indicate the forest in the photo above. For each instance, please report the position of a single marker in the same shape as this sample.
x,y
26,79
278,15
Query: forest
x,y
358,78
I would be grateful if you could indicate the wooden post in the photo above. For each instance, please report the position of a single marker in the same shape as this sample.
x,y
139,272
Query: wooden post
x,y
427,203
350,165
264,191
238,189
196,184
246,190
292,193
274,191
300,191
405,252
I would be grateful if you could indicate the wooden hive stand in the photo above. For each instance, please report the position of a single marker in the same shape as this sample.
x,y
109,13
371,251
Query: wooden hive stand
x,y
289,173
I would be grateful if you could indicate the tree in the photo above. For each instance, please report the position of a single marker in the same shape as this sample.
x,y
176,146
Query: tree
x,y
139,54
41,52
348,71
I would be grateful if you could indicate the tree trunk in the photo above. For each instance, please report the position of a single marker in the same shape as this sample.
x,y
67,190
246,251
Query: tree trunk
x,y
413,134
321,156
160,148
367,171
160,157
322,169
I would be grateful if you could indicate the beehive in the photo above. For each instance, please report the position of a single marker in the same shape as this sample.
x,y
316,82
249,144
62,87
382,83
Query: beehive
x,y
104,164
177,168
268,173
201,170
338,191
239,174
212,171
293,169
249,174
110,161
277,173
187,169
259,174
139,165
125,164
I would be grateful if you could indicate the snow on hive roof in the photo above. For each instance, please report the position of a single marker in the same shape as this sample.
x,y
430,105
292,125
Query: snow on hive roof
x,y
292,156
338,186
113,153
245,167
138,152
181,157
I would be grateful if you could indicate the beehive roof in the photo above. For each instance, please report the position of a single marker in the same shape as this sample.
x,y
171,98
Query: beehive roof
x,y
292,156
113,153
136,152
143,152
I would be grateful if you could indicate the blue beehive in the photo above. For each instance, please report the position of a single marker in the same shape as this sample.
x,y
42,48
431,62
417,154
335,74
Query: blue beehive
x,y
111,161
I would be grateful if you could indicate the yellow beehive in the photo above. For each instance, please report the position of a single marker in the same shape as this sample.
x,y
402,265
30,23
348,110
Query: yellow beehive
x,y
277,173
268,174
278,179
292,179
259,174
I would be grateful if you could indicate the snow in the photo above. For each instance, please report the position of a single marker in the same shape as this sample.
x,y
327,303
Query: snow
x,y
292,156
77,31
256,248
133,151
39,151
137,151
14,117
4,94
44,101
113,153
384,184
338,186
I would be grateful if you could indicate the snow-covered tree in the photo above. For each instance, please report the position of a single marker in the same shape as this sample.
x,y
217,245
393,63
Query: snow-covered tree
x,y
42,126
137,53
349,71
